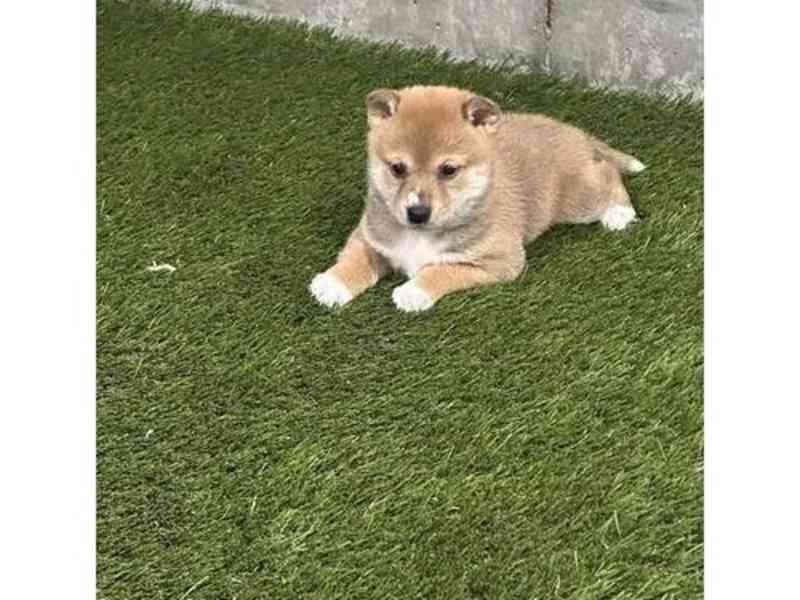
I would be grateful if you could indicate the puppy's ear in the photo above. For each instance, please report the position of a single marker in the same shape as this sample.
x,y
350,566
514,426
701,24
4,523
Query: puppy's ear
x,y
381,104
481,112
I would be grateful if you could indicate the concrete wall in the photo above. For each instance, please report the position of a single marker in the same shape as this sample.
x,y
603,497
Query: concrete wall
x,y
651,45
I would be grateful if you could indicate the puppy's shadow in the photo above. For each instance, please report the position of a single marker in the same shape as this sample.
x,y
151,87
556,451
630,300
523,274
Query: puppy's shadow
x,y
561,237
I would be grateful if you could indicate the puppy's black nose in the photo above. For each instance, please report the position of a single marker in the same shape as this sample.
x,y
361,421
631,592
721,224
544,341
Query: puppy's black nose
x,y
418,214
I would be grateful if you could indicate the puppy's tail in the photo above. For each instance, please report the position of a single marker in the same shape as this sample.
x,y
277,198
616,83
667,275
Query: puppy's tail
x,y
627,164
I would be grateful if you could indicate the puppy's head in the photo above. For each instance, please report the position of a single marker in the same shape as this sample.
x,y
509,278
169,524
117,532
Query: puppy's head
x,y
430,152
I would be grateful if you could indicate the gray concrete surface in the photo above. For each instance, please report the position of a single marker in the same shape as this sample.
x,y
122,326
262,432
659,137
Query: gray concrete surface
x,y
651,45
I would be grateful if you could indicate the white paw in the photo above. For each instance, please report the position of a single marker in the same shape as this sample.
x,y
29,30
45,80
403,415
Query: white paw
x,y
409,297
618,217
329,291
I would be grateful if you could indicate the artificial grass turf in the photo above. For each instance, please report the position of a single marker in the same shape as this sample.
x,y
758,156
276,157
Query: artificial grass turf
x,y
541,439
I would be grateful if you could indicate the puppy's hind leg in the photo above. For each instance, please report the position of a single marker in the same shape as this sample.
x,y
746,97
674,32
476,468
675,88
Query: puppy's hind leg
x,y
619,212
597,193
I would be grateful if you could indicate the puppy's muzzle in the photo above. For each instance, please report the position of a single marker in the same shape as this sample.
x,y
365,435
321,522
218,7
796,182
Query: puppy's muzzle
x,y
418,214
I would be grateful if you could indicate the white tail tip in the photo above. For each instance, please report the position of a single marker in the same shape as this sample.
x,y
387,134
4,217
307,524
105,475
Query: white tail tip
x,y
636,166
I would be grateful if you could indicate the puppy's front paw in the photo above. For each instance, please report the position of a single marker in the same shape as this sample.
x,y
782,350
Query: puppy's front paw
x,y
329,291
409,297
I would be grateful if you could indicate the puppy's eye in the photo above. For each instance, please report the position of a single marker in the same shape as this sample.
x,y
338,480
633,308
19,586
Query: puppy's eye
x,y
448,170
399,169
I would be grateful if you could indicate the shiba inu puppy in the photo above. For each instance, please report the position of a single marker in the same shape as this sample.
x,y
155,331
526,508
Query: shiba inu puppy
x,y
457,188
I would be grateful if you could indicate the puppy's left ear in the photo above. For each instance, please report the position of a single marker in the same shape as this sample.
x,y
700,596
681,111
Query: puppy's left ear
x,y
482,112
381,105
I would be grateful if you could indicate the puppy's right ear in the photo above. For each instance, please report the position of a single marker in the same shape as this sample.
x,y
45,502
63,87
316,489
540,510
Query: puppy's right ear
x,y
482,112
381,105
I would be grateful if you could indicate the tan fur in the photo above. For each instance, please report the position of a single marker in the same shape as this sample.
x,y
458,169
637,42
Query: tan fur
x,y
518,175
